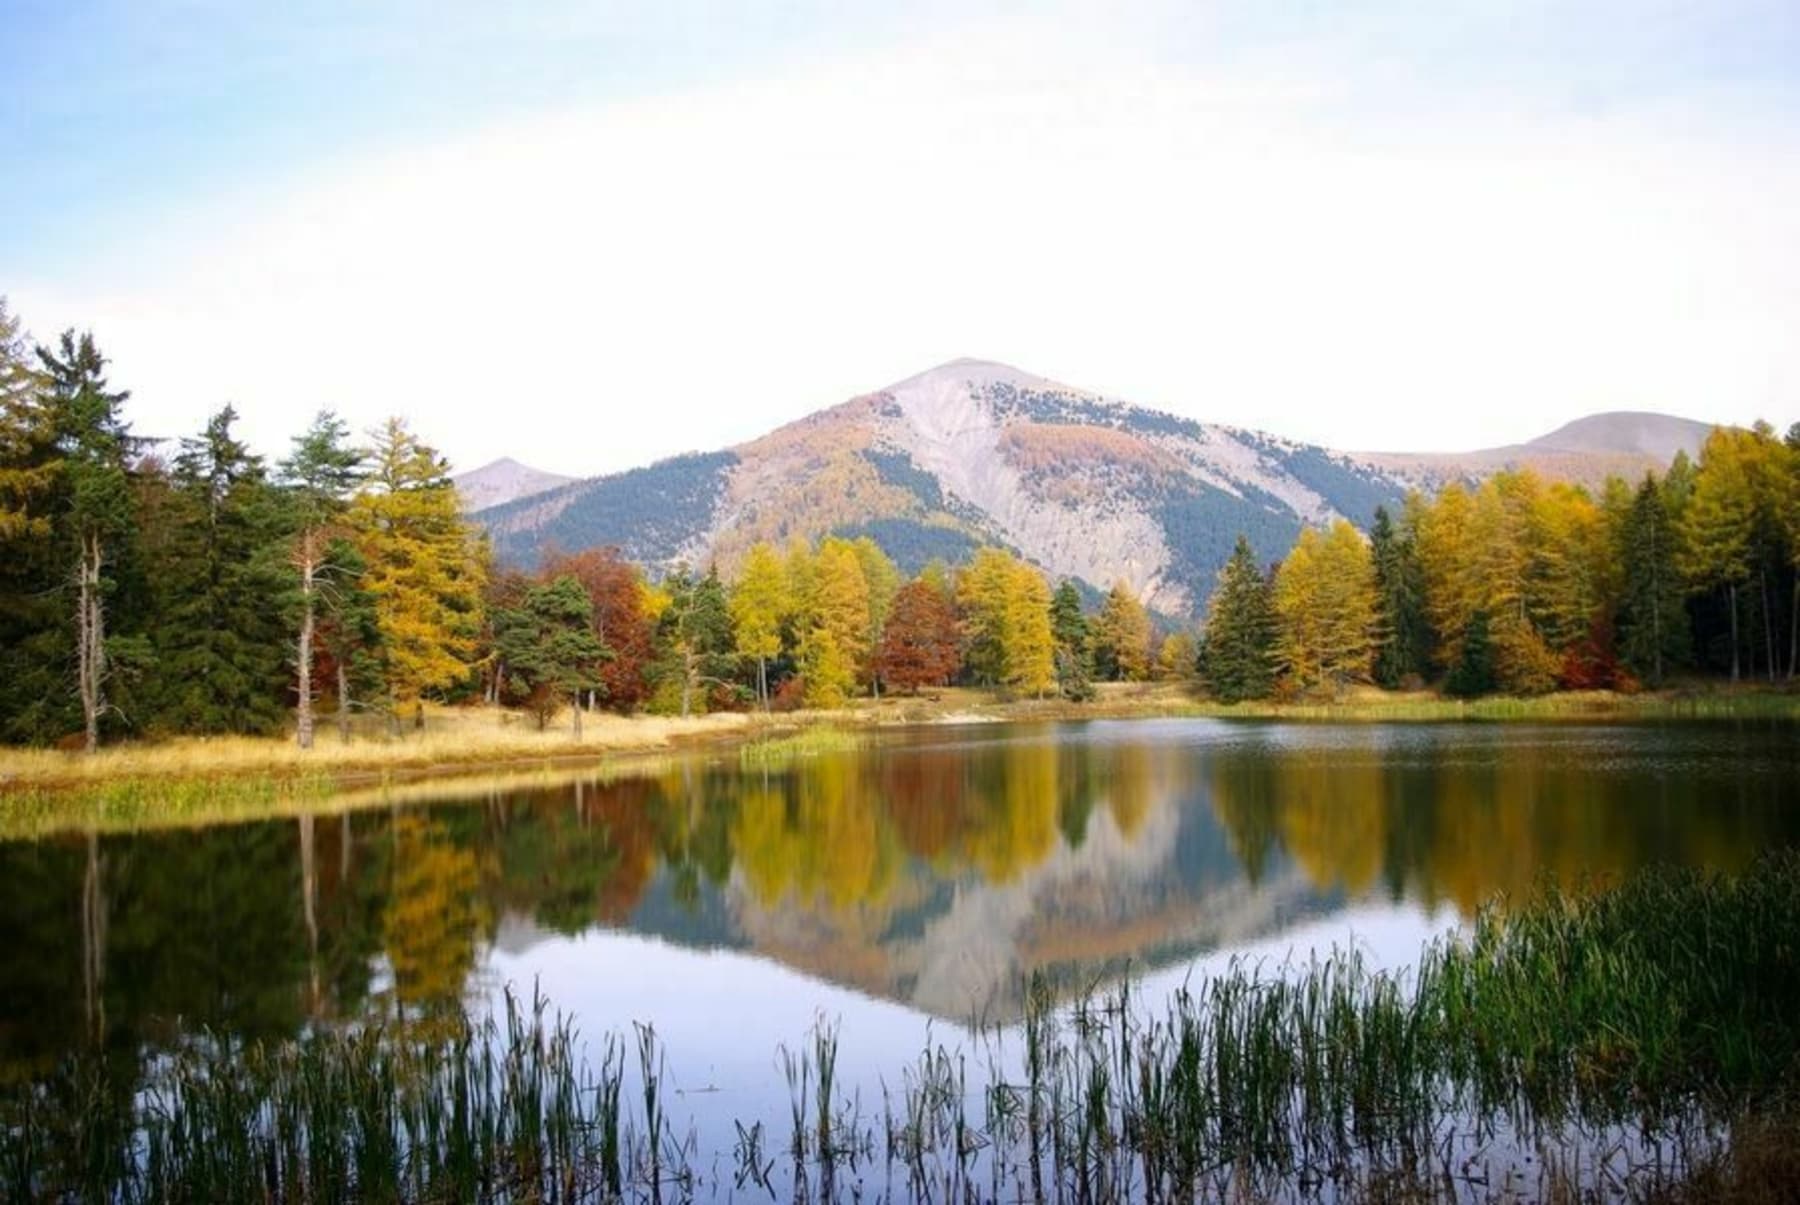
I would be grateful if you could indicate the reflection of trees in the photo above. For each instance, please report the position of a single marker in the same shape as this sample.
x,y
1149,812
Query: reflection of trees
x,y
433,915
814,835
1464,828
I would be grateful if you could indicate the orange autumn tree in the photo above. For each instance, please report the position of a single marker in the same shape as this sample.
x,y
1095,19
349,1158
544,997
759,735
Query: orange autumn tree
x,y
919,645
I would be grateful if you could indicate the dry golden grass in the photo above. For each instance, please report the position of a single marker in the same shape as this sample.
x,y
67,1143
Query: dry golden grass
x,y
451,738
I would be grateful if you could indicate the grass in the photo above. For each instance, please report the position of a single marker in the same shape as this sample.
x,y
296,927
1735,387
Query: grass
x,y
1640,1038
782,750
452,737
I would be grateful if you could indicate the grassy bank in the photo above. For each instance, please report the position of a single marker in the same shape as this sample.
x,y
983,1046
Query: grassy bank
x,y
1620,1040
462,740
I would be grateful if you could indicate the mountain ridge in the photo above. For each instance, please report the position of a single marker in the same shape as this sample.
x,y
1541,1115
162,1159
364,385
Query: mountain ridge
x,y
1085,485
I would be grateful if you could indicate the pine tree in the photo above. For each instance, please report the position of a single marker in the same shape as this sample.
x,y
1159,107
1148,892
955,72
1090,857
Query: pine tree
x,y
27,452
424,569
1653,622
220,652
1074,649
694,631
1403,635
1238,647
551,649
1718,521
94,444
1473,674
320,475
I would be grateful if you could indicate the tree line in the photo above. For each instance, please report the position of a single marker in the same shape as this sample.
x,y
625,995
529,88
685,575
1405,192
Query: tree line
x,y
147,590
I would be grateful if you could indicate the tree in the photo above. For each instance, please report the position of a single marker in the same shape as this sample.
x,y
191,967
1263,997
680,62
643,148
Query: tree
x,y
1175,659
834,625
694,629
1473,673
424,571
349,630
760,604
1403,634
1653,623
981,594
1717,525
919,643
552,652
1238,647
1121,636
27,452
319,474
220,648
1325,605
94,444
1074,651
621,620
1030,646
882,580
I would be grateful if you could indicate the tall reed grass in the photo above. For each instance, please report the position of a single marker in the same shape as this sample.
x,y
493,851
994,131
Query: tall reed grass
x,y
1611,1038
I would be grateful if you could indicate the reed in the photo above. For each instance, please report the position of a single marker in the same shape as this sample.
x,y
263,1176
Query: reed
x,y
1619,1036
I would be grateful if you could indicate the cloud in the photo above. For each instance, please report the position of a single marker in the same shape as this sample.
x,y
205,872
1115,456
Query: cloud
x,y
591,287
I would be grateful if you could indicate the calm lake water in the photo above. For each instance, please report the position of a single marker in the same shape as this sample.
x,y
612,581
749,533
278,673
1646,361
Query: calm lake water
x,y
898,891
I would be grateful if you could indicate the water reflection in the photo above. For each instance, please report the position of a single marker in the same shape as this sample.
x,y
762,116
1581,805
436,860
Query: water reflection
x,y
934,871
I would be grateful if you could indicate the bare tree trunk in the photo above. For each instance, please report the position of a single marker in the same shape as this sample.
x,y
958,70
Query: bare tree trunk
x,y
1734,634
90,642
93,940
762,681
303,720
309,909
343,711
577,711
1762,575
687,682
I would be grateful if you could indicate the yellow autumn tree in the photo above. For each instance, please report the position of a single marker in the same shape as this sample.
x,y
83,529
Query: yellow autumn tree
x,y
833,621
1121,636
1325,607
425,566
760,604
1028,642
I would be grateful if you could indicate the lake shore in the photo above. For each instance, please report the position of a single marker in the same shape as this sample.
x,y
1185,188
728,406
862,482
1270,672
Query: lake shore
x,y
457,741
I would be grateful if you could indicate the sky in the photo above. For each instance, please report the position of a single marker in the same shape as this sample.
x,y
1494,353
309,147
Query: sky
x,y
590,235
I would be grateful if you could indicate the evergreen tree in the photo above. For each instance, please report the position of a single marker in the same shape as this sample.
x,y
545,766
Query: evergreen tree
x,y
27,452
1403,635
552,652
694,631
320,475
349,629
1473,674
1238,649
1653,622
220,649
94,445
1074,655
1718,522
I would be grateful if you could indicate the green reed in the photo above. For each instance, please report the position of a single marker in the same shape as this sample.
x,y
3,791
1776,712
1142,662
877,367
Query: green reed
x,y
1661,1010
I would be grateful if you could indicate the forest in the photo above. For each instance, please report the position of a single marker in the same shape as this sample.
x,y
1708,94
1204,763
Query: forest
x,y
149,590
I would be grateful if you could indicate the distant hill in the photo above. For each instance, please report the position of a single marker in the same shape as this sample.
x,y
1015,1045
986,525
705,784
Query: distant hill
x,y
1624,443
975,452
502,481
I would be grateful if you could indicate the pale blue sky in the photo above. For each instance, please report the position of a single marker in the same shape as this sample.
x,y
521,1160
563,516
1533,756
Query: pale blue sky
x,y
156,153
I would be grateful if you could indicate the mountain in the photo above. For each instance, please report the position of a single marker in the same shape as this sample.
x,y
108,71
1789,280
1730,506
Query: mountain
x,y
968,453
502,481
975,452
1623,443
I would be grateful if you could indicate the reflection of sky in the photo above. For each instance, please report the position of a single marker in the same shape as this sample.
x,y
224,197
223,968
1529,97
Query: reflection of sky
x,y
723,1017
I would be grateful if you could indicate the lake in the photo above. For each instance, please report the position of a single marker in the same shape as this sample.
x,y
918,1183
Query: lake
x,y
898,891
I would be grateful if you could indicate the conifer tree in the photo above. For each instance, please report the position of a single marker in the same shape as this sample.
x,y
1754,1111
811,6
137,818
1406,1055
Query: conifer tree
x,y
1030,647
1403,636
694,629
551,649
1473,674
1718,521
982,589
94,445
1074,649
1324,599
220,647
27,452
835,625
1238,648
424,569
320,474
1653,622
1121,636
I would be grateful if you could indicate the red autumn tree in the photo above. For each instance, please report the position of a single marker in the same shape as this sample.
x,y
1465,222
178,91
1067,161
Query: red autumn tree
x,y
919,645
613,584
